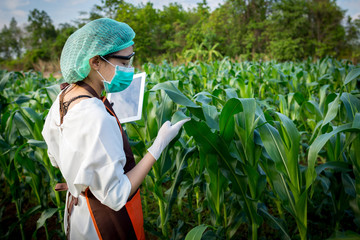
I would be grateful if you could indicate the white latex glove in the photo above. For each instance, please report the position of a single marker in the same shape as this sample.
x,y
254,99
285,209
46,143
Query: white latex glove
x,y
166,133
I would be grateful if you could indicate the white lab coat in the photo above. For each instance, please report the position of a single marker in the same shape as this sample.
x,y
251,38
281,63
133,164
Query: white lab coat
x,y
88,149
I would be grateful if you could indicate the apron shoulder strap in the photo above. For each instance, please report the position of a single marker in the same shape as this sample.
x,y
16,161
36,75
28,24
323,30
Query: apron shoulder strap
x,y
62,110
111,111
88,88
64,106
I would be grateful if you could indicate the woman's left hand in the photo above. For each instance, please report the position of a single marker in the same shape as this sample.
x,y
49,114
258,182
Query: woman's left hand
x,y
166,133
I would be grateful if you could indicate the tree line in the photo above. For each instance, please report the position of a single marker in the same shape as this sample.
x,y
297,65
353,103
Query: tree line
x,y
284,30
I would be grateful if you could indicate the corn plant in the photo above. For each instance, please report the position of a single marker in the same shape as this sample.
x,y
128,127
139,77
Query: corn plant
x,y
271,151
24,151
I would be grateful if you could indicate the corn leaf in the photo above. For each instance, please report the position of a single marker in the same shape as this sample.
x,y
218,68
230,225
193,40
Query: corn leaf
x,y
24,127
52,92
317,145
5,79
180,172
179,98
274,146
275,223
22,99
332,111
226,122
196,233
211,116
48,213
352,75
301,213
37,143
210,142
313,107
215,188
174,93
292,144
150,117
352,105
347,235
338,166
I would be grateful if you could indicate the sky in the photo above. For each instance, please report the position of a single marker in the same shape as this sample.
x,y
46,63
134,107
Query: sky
x,y
65,11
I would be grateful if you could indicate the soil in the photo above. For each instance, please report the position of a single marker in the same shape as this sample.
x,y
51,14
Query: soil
x,y
10,217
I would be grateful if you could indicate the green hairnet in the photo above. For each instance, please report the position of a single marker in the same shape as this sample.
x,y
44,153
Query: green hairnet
x,y
98,37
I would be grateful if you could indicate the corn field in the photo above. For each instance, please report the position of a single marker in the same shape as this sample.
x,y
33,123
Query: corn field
x,y
272,151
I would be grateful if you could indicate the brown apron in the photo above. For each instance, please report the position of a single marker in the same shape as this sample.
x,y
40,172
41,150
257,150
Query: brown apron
x,y
127,223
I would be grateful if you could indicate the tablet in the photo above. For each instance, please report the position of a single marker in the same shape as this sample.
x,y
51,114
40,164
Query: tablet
x,y
128,103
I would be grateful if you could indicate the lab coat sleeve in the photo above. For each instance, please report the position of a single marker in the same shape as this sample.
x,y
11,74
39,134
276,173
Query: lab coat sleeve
x,y
52,159
46,132
104,159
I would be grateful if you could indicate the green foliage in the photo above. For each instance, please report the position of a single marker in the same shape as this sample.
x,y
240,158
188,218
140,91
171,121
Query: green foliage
x,y
248,30
10,42
249,153
196,233
24,161
41,28
271,151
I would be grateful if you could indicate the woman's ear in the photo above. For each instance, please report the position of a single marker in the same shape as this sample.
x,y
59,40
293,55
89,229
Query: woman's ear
x,y
95,62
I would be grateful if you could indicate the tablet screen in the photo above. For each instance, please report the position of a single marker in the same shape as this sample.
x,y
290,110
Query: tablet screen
x,y
128,104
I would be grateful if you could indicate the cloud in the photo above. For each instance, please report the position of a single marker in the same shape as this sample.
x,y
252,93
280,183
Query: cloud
x,y
14,4
356,16
3,18
215,4
352,7
77,2
49,1
19,13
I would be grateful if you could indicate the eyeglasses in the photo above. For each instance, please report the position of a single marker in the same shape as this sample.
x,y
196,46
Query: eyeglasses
x,y
129,58
120,57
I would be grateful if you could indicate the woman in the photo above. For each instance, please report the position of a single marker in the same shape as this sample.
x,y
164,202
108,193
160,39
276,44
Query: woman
x,y
86,141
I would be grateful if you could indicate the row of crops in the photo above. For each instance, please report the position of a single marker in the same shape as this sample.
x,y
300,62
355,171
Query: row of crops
x,y
272,151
